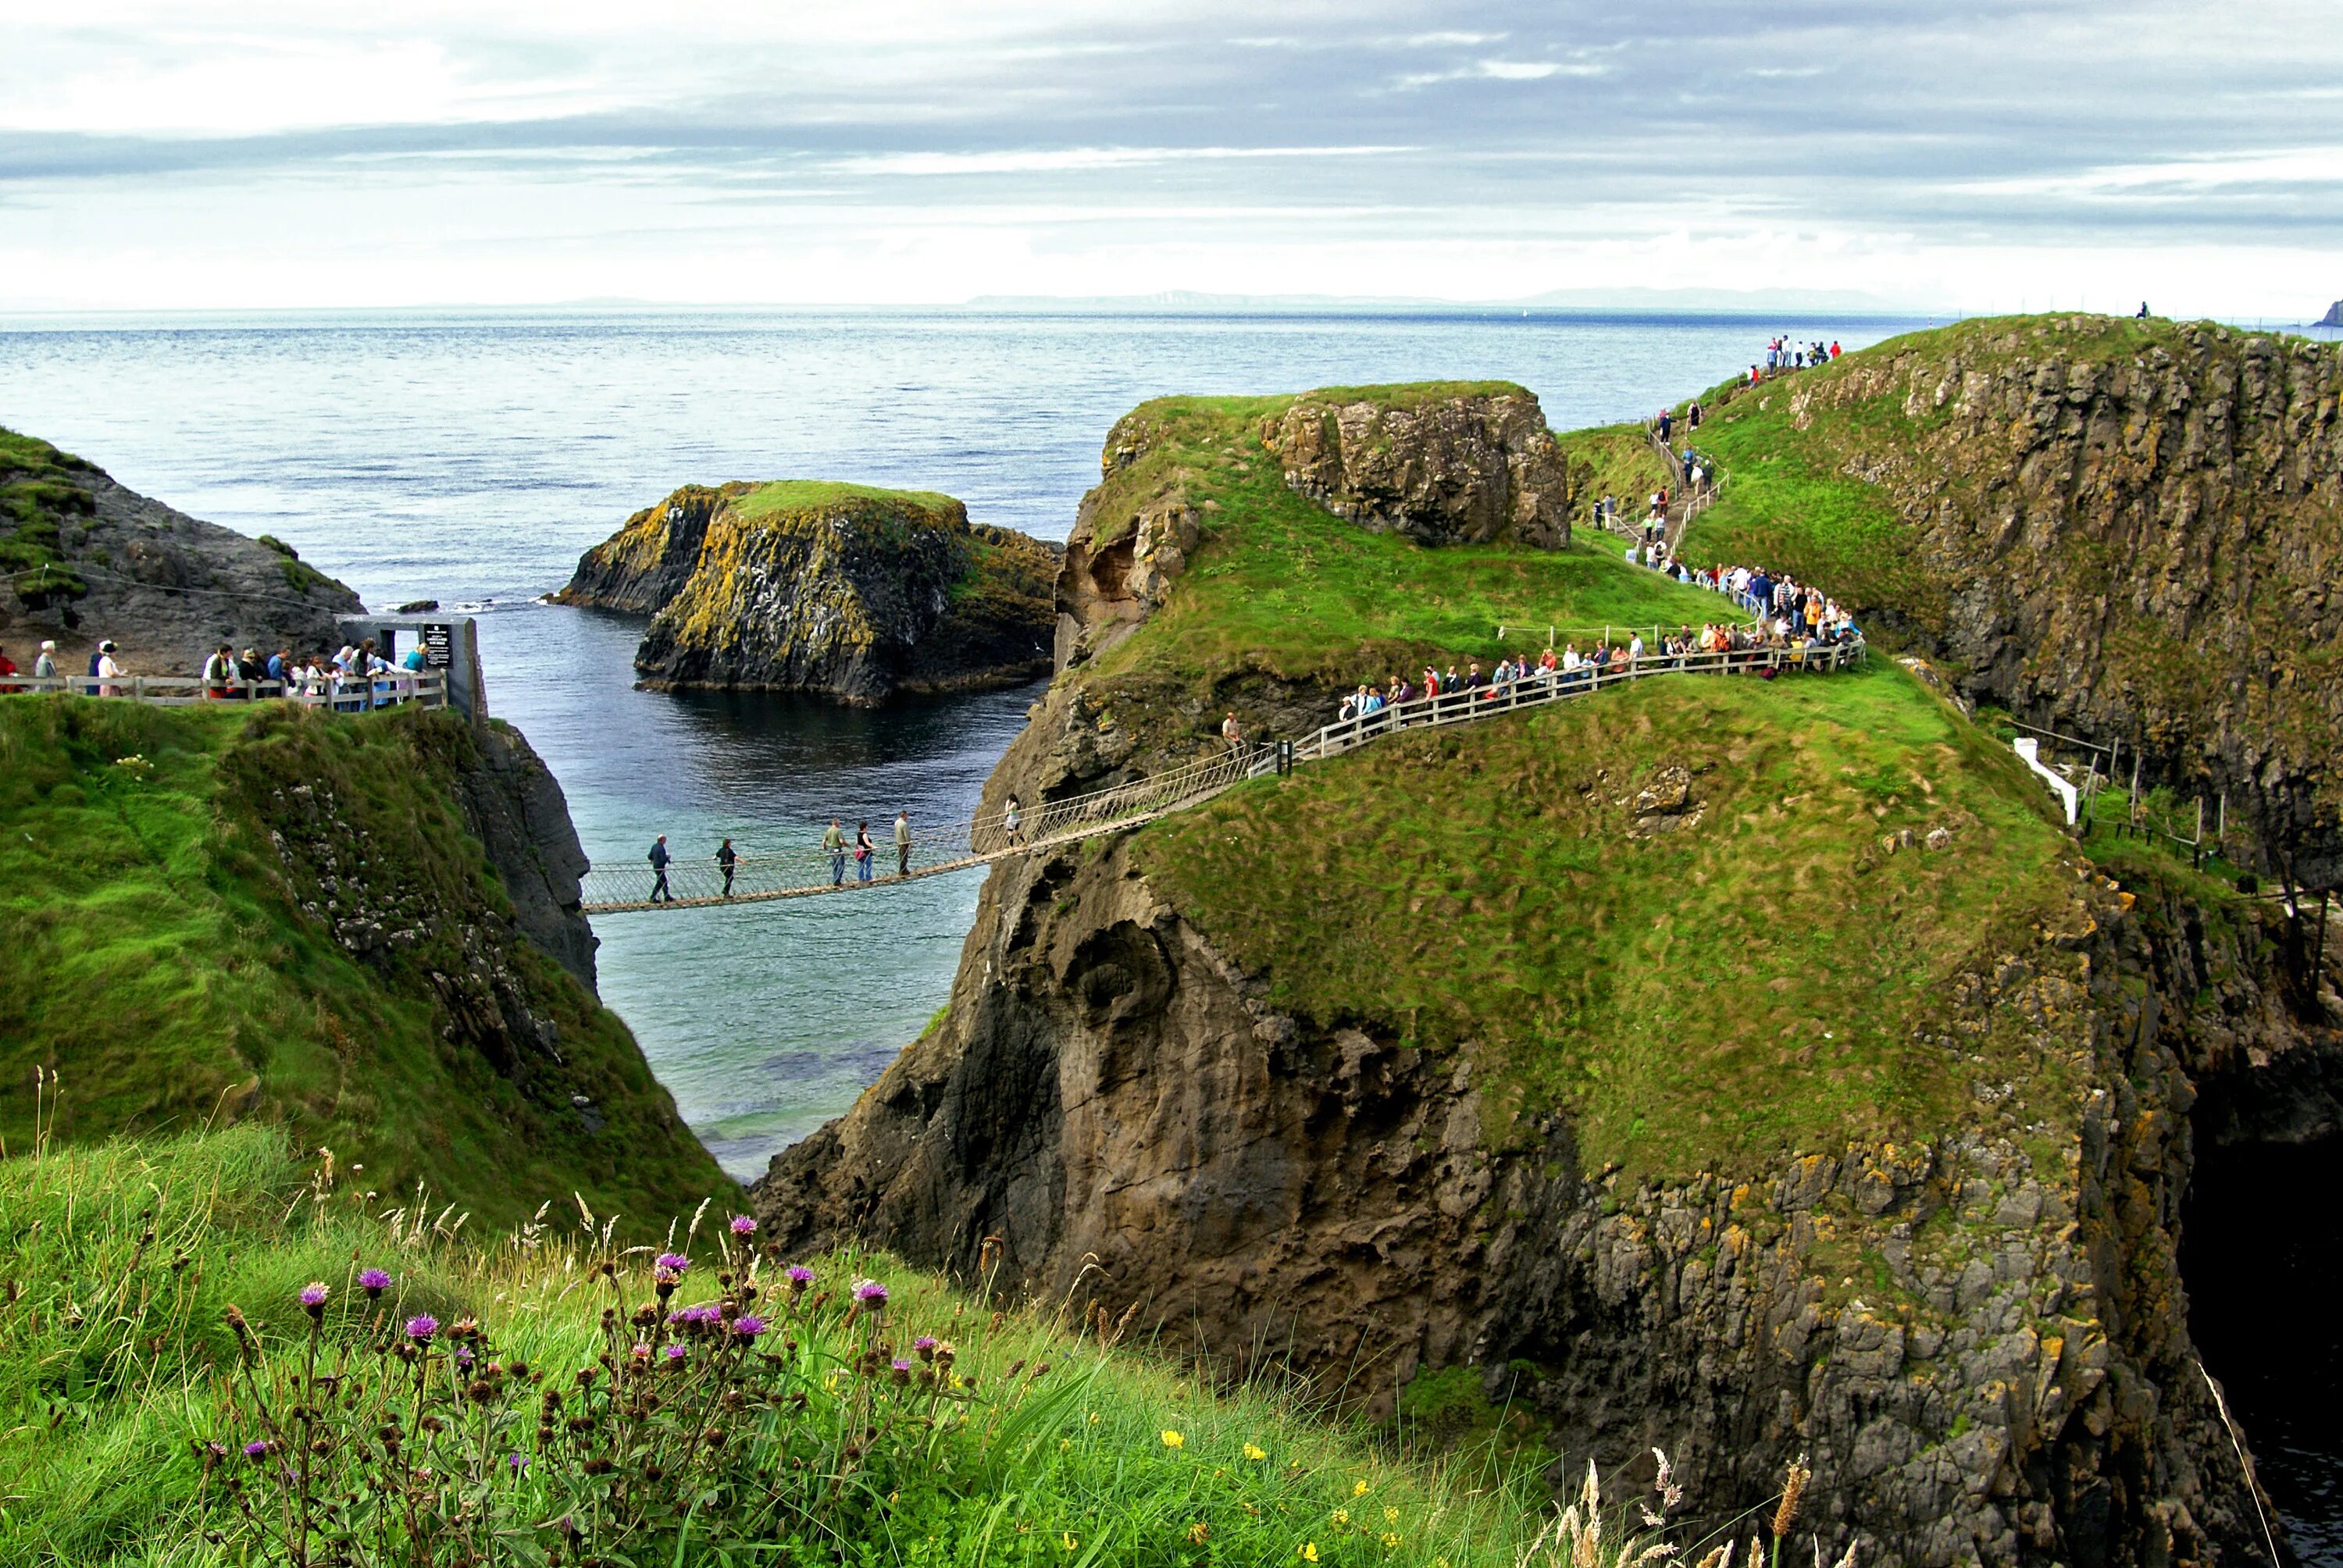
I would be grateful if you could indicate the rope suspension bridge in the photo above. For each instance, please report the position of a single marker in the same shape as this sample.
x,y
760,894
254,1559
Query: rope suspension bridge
x,y
995,835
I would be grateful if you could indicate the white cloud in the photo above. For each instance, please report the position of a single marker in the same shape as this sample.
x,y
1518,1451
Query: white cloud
x,y
2296,165
1069,159
1505,71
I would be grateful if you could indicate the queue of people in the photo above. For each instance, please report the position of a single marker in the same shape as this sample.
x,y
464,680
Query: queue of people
x,y
1786,616
859,850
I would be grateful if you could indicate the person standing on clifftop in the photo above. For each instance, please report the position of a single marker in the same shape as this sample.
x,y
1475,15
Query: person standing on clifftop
x,y
659,858
902,843
1230,733
218,671
834,843
44,667
727,859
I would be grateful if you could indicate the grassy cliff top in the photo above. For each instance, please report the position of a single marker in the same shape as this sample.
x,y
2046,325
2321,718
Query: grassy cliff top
x,y
1704,993
41,488
1281,585
118,1364
780,497
180,891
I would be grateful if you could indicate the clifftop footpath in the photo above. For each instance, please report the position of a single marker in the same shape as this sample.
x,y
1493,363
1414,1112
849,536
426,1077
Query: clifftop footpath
x,y
1745,1069
2125,530
843,591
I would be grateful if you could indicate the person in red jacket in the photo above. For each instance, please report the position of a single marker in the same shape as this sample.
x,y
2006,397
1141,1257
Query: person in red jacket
x,y
1833,347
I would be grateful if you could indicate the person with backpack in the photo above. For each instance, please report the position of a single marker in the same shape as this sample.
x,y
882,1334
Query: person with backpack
x,y
725,860
659,858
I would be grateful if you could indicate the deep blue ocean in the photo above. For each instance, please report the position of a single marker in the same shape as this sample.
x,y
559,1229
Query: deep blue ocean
x,y
470,458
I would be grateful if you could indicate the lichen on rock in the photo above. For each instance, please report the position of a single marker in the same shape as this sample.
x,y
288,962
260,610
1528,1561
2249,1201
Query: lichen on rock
x,y
841,590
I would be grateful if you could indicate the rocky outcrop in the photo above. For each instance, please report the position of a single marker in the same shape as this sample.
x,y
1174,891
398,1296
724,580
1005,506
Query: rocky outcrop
x,y
2334,317
1979,1339
1470,466
835,589
1440,464
2126,532
87,560
515,808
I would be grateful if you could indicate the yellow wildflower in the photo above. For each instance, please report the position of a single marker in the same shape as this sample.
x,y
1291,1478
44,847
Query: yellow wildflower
x,y
1173,1440
1254,1450
1342,1516
1307,1551
1390,1515
1390,1541
1199,1532
1067,1540
1360,1489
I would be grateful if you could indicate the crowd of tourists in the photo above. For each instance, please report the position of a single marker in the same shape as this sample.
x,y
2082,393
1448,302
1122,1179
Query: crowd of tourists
x,y
355,677
1782,355
1785,616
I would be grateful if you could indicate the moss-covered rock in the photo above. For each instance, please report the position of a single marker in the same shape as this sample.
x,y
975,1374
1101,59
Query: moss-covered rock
x,y
837,589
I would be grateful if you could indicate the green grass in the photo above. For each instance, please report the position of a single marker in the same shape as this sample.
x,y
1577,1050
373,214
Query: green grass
x,y
42,490
1711,997
1622,461
163,956
1280,586
115,1360
775,497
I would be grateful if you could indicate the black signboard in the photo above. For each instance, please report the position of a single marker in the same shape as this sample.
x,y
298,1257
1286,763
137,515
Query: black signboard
x,y
437,643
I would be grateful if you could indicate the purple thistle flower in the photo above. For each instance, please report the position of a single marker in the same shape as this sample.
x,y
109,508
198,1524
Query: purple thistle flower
x,y
675,1352
421,1327
924,1343
463,1355
748,1326
670,1262
313,1294
374,1281
871,1293
799,1276
256,1449
641,1354
516,1462
903,1365
744,1224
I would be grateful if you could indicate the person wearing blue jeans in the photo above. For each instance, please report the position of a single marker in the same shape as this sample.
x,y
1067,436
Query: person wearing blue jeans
x,y
659,858
866,853
834,841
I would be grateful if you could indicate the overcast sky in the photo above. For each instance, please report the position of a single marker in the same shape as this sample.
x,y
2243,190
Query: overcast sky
x,y
1967,153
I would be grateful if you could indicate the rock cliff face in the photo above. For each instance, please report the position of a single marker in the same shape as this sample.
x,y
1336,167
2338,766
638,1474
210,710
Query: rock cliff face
x,y
837,589
1981,1339
87,559
2128,531
515,808
1471,468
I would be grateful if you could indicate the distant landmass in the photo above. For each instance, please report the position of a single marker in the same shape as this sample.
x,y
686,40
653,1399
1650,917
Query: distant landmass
x,y
2334,317
1673,300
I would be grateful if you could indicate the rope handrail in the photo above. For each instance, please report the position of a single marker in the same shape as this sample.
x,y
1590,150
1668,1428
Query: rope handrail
x,y
1558,684
989,836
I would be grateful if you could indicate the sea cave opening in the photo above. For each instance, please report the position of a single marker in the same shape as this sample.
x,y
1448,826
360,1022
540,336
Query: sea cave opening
x,y
2261,1255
